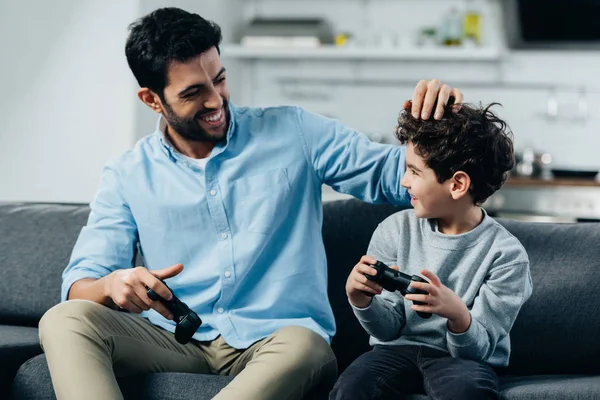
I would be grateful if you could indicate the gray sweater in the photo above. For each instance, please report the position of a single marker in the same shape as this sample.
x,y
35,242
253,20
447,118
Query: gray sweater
x,y
487,268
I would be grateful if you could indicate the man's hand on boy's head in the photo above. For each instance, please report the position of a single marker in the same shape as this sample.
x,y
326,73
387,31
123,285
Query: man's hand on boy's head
x,y
442,301
359,289
425,96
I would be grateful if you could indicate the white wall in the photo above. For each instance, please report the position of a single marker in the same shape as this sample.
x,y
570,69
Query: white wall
x,y
67,101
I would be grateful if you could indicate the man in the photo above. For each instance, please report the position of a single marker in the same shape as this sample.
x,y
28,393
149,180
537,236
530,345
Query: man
x,y
225,203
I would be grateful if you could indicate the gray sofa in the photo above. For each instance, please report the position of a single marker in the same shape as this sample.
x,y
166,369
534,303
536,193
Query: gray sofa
x,y
556,339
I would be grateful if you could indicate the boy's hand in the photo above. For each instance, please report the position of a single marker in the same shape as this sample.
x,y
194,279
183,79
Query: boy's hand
x,y
441,301
359,289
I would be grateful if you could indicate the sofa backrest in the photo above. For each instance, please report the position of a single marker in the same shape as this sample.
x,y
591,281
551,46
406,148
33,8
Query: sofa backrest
x,y
347,229
558,329
35,245
36,241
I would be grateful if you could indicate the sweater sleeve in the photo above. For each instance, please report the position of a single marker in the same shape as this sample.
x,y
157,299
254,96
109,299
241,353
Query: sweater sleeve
x,y
493,313
384,318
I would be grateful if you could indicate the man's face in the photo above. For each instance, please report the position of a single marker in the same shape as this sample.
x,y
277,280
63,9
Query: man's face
x,y
195,103
429,198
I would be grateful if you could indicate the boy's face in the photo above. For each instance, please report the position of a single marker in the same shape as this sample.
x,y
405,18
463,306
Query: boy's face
x,y
429,198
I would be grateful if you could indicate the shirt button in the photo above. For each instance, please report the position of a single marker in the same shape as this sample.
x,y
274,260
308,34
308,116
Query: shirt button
x,y
223,236
213,192
220,310
227,274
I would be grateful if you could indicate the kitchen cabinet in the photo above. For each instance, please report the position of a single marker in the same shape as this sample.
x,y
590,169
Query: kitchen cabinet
x,y
564,123
366,94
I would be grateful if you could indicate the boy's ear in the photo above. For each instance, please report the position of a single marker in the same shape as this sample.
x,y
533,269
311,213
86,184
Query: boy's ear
x,y
459,185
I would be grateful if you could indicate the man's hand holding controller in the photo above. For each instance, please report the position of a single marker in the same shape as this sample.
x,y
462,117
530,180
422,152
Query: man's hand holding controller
x,y
127,288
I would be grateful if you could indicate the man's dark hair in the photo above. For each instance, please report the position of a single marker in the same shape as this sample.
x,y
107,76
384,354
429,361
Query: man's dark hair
x,y
473,140
165,36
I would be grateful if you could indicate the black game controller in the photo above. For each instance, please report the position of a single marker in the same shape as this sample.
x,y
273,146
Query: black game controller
x,y
187,320
392,280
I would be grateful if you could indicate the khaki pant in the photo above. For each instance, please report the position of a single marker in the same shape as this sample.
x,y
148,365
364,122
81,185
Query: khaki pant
x,y
88,346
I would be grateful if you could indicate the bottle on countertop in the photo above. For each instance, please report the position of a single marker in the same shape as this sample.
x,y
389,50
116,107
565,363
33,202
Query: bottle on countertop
x,y
452,28
472,23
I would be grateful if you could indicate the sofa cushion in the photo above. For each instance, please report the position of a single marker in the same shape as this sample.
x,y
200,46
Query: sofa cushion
x,y
17,345
543,387
556,331
33,382
551,387
35,245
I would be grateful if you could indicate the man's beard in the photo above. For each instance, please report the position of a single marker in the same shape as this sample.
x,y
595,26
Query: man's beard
x,y
190,128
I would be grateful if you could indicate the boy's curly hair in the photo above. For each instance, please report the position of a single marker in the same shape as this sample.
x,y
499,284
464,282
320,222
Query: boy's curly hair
x,y
473,140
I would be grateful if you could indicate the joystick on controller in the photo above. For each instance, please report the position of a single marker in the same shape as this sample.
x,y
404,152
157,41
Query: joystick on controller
x,y
392,280
187,320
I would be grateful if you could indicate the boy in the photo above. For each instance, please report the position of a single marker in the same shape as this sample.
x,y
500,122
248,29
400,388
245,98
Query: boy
x,y
478,272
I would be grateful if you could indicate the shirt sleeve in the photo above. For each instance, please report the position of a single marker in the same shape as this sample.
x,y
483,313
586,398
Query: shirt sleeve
x,y
384,318
351,163
494,312
108,241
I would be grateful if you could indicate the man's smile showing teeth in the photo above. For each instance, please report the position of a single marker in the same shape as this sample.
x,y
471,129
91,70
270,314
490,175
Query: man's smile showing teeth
x,y
213,118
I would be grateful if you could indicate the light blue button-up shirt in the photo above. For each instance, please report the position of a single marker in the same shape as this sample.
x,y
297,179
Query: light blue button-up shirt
x,y
247,227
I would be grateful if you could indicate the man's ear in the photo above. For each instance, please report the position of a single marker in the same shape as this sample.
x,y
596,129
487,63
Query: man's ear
x,y
459,185
151,99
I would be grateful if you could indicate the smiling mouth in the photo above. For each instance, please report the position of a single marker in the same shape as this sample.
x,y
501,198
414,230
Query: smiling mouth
x,y
214,119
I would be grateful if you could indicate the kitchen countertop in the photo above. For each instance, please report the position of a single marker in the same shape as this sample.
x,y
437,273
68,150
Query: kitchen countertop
x,y
553,182
512,183
575,198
